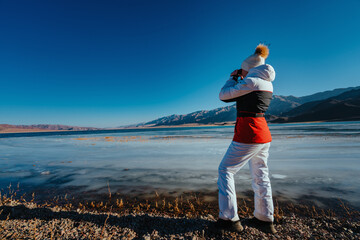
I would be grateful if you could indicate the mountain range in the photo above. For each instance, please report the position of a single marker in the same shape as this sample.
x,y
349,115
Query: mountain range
x,y
343,107
342,104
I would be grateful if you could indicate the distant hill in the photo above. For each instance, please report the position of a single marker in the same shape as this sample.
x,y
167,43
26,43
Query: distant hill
x,y
344,107
223,114
281,104
6,128
278,107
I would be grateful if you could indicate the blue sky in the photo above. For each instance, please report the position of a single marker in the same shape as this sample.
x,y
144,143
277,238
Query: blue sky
x,y
110,63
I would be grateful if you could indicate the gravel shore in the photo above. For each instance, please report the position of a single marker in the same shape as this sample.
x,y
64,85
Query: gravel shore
x,y
185,217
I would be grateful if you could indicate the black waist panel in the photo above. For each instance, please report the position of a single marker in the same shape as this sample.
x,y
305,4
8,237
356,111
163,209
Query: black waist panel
x,y
254,102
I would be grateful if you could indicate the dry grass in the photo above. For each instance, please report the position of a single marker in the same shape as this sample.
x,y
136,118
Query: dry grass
x,y
96,219
188,204
125,139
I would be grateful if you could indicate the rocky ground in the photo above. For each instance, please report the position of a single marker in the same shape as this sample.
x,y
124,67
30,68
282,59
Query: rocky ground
x,y
189,216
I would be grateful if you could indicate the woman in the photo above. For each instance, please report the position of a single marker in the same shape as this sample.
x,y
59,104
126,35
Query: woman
x,y
251,142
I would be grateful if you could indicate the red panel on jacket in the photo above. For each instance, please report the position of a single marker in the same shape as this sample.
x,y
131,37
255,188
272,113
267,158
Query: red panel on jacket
x,y
252,130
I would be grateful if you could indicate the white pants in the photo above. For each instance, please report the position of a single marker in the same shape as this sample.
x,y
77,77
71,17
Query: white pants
x,y
235,158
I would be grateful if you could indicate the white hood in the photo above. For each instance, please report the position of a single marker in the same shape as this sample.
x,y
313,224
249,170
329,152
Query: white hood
x,y
265,72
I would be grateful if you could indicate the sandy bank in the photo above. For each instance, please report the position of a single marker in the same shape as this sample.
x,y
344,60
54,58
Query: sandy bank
x,y
188,216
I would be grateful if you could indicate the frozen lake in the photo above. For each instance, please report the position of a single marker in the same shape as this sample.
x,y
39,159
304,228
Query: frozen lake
x,y
317,160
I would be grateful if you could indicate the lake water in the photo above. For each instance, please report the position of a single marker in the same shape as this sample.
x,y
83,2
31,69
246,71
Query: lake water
x,y
318,160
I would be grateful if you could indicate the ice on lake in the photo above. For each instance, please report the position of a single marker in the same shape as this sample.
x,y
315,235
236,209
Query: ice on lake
x,y
314,159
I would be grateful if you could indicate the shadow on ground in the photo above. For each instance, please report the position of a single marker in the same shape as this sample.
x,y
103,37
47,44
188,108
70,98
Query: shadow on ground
x,y
142,224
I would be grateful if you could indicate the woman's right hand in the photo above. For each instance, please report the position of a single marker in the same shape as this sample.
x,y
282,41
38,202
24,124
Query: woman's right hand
x,y
235,73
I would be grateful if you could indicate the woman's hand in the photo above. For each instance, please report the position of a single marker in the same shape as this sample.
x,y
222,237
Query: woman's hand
x,y
235,73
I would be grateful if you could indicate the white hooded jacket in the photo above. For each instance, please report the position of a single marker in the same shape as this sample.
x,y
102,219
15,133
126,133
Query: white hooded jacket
x,y
258,79
253,95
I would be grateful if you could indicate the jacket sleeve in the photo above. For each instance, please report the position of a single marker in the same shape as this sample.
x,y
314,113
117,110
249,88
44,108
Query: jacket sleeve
x,y
232,90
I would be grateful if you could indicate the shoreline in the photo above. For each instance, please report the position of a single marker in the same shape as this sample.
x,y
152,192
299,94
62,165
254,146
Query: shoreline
x,y
112,129
4,132
189,216
30,131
